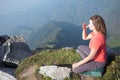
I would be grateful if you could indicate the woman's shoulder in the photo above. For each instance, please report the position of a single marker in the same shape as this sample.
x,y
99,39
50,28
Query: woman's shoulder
x,y
100,36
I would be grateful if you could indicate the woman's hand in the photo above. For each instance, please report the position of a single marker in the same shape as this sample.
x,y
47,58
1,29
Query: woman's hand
x,y
84,26
74,65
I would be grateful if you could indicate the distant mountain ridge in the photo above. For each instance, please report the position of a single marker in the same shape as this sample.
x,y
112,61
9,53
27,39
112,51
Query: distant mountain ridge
x,y
74,12
32,21
58,35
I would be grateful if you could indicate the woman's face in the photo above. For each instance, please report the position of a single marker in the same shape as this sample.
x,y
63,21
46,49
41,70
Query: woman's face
x,y
90,25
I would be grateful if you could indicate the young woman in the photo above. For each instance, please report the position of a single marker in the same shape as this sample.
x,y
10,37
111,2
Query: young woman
x,y
94,56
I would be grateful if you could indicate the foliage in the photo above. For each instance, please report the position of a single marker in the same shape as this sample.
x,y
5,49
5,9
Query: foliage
x,y
113,69
63,56
49,57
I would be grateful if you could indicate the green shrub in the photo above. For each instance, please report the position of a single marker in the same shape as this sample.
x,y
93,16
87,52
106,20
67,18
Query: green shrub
x,y
113,69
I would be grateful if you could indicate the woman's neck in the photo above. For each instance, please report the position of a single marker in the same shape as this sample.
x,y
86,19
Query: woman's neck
x,y
95,31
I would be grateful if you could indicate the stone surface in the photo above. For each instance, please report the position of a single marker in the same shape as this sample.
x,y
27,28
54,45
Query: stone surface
x,y
55,72
8,70
14,50
5,76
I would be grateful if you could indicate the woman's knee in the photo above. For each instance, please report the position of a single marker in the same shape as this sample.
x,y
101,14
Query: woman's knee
x,y
80,47
75,70
78,70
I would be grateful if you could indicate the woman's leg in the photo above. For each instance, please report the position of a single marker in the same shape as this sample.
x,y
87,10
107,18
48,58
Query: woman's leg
x,y
83,51
91,65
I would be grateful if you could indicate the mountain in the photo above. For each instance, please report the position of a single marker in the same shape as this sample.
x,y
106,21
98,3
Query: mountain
x,y
75,12
58,35
30,21
111,14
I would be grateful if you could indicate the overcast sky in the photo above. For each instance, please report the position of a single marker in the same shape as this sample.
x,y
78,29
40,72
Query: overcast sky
x,y
10,6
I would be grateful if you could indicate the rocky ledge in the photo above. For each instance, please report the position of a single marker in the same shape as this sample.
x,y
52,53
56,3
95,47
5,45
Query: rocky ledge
x,y
13,49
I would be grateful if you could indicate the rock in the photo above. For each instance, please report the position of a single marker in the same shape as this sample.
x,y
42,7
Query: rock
x,y
8,70
14,50
5,76
8,64
55,72
3,39
67,48
85,77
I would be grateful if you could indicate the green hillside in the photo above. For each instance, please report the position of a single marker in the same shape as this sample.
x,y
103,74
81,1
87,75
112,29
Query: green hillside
x,y
30,23
111,14
114,44
112,17
62,57
58,35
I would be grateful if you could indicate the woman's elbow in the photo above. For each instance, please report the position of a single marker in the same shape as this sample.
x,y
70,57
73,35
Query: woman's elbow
x,y
84,38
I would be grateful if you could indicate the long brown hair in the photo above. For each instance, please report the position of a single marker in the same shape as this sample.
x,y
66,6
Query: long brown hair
x,y
99,24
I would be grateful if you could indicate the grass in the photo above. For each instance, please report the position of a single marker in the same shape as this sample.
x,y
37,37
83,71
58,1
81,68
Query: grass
x,y
112,68
49,57
62,56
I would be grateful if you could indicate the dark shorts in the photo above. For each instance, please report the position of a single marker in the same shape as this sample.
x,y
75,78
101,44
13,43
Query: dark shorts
x,y
91,65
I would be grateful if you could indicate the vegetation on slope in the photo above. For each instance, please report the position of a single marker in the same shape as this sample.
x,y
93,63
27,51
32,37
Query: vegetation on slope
x,y
114,43
49,57
63,56
57,35
113,68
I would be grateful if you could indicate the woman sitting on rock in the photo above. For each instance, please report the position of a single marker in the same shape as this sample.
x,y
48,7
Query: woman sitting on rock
x,y
94,56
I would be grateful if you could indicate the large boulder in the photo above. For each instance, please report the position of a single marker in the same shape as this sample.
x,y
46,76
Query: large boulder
x,y
55,72
14,50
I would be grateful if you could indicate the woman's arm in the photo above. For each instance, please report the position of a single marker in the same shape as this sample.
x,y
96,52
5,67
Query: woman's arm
x,y
85,36
88,58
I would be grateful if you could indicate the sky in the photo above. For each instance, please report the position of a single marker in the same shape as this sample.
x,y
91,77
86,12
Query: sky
x,y
11,6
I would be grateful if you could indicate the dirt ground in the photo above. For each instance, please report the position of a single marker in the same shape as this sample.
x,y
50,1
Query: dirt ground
x,y
29,73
